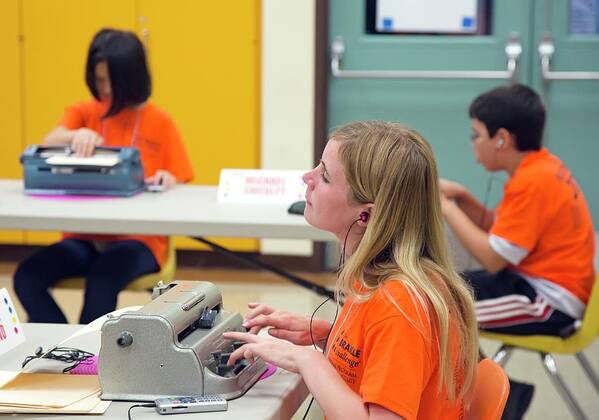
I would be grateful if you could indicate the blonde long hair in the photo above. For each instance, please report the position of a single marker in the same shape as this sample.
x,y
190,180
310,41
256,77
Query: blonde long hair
x,y
392,166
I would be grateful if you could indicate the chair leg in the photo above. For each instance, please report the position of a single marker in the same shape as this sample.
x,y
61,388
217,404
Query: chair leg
x,y
502,356
560,385
588,369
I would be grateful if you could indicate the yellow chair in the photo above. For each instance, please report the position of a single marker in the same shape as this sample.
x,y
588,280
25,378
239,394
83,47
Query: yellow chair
x,y
491,389
145,282
546,345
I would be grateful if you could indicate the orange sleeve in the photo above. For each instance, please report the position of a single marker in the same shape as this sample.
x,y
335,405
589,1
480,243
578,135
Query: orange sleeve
x,y
176,159
74,116
396,366
520,217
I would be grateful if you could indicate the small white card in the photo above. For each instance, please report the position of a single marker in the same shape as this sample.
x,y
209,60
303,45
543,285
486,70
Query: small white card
x,y
11,333
263,186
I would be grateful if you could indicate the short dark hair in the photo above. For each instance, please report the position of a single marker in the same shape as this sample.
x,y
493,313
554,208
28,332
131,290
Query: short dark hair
x,y
126,59
517,108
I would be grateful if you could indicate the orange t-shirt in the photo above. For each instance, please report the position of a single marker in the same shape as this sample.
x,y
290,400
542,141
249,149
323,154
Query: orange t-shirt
x,y
149,129
544,211
390,358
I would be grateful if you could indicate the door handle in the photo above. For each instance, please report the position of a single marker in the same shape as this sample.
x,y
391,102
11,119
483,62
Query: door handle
x,y
513,50
546,51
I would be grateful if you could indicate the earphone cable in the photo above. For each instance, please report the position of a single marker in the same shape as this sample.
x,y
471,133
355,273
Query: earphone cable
x,y
148,405
61,354
324,348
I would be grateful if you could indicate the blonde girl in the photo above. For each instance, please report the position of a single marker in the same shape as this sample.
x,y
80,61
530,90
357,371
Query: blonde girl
x,y
405,343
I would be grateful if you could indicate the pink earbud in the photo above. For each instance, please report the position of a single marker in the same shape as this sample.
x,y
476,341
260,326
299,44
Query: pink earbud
x,y
364,216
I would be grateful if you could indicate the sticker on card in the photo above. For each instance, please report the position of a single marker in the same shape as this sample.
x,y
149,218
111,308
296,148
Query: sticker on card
x,y
11,333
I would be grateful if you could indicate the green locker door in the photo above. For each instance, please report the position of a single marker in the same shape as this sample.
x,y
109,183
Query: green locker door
x,y
436,107
571,88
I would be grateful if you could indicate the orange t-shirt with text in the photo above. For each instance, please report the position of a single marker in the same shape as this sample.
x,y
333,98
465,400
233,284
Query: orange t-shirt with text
x,y
149,129
545,212
389,358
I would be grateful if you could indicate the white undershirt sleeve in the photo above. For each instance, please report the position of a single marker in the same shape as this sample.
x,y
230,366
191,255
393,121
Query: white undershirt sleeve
x,y
514,254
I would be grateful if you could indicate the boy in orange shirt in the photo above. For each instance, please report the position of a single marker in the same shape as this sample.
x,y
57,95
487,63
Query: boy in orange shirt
x,y
537,247
119,115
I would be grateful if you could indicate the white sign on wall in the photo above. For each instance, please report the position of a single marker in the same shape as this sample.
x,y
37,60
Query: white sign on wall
x,y
426,16
262,186
11,333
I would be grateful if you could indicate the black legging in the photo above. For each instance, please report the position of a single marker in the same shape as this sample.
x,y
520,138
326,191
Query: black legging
x,y
106,273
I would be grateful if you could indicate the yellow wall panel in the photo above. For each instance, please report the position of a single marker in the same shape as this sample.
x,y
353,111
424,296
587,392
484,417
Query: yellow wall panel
x,y
57,34
247,245
205,58
41,238
10,101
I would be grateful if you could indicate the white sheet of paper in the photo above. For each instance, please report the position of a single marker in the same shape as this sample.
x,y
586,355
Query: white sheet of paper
x,y
11,333
96,160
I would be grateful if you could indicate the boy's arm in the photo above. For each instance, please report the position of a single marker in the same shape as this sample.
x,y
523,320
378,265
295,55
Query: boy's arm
x,y
476,212
472,237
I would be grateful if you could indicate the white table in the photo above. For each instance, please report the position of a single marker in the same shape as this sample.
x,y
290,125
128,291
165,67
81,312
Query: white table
x,y
275,398
187,210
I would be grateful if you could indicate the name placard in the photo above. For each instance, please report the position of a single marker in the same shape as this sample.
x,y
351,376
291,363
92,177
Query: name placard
x,y
11,334
264,186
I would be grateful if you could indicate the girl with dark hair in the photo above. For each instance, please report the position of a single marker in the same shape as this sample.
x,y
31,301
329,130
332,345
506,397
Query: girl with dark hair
x,y
119,115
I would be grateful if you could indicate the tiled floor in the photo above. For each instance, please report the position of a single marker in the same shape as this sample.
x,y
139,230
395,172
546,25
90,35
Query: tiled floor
x,y
240,287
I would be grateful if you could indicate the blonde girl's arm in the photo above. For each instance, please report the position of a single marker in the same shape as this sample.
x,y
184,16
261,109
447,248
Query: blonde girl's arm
x,y
332,394
336,399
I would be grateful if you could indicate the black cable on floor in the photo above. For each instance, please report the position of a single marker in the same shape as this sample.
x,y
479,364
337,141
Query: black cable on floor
x,y
252,261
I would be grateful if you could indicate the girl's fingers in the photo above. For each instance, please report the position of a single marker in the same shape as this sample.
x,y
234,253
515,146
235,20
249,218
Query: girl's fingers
x,y
255,330
241,336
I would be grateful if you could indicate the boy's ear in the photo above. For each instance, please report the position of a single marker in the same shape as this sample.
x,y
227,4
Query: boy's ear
x,y
506,138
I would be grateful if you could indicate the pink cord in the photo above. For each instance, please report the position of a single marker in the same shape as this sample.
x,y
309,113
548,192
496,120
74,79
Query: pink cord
x,y
86,367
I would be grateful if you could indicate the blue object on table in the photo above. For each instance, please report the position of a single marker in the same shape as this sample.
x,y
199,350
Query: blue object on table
x,y
111,171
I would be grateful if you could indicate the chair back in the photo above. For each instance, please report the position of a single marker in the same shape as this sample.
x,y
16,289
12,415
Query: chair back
x,y
589,328
491,389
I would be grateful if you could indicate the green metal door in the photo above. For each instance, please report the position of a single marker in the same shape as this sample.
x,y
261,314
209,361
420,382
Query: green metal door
x,y
568,36
435,106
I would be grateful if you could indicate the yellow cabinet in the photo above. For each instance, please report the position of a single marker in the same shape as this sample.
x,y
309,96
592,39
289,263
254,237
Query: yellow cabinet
x,y
204,57
10,101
